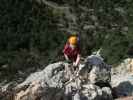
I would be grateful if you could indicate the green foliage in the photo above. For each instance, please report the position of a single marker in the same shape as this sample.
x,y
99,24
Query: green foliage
x,y
15,24
114,48
29,37
111,30
32,35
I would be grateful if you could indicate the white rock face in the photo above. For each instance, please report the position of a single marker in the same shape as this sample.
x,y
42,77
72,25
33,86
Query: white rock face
x,y
122,78
88,84
51,75
43,85
49,83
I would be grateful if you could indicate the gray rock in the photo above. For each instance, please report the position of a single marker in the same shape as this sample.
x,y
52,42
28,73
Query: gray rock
x,y
107,93
48,84
122,78
51,75
122,84
99,70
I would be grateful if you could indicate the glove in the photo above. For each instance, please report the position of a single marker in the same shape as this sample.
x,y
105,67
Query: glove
x,y
74,64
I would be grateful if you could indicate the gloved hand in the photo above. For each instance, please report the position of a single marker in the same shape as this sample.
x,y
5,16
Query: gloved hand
x,y
74,64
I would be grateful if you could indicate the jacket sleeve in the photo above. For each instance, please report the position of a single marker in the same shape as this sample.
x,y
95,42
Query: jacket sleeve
x,y
65,48
79,50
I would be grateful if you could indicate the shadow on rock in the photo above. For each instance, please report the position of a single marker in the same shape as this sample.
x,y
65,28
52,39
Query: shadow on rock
x,y
123,89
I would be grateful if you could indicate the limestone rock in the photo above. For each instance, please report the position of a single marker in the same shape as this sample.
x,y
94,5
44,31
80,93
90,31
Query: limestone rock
x,y
49,83
122,78
100,71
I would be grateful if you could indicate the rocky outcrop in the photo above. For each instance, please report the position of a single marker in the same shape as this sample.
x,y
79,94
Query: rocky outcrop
x,y
91,82
99,71
49,83
122,78
44,85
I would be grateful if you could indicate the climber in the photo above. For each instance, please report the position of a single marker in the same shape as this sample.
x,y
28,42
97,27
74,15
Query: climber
x,y
72,55
72,51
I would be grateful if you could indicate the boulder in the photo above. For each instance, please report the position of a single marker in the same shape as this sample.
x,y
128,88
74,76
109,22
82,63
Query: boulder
x,y
99,70
122,78
49,83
